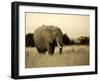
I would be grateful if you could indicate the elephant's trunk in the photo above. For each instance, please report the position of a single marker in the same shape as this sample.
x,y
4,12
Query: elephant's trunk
x,y
59,45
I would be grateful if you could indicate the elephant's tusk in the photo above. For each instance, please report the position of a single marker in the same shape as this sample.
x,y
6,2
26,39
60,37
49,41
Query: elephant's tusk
x,y
59,45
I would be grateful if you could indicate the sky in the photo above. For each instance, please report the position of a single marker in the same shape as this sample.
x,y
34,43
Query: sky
x,y
73,25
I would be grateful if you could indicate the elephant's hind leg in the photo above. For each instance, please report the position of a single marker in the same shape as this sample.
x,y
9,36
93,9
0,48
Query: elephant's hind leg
x,y
41,51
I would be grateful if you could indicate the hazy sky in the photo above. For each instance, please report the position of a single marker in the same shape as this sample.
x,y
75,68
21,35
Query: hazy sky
x,y
73,25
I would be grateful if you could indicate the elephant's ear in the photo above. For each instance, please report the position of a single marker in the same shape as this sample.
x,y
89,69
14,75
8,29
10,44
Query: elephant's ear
x,y
47,36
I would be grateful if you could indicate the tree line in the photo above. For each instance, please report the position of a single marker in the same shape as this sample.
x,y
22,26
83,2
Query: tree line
x,y
82,40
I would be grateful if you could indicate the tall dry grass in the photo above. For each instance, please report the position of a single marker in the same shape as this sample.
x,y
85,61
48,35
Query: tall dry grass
x,y
71,56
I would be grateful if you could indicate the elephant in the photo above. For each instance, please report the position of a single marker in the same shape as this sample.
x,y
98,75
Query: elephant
x,y
46,37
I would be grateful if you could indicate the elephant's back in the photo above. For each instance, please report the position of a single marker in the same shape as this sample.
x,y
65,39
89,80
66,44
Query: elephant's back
x,y
38,32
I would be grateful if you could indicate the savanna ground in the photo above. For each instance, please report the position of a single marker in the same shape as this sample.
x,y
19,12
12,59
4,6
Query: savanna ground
x,y
74,55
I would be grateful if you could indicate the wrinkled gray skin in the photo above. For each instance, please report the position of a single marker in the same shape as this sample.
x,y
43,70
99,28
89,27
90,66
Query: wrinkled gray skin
x,y
46,37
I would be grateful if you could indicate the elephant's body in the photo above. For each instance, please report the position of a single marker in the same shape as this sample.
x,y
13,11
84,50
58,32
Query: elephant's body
x,y
45,39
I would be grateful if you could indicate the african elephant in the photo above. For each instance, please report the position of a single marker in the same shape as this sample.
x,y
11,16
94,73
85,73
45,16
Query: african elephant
x,y
46,37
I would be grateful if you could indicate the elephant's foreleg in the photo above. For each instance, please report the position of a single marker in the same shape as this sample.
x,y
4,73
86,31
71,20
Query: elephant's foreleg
x,y
50,49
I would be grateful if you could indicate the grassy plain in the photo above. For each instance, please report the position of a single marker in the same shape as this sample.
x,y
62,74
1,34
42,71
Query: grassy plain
x,y
74,55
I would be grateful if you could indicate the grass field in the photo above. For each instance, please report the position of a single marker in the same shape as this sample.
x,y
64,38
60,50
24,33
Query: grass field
x,y
71,56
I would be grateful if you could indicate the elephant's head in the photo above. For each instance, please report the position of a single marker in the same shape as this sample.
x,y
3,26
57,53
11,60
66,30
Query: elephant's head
x,y
58,36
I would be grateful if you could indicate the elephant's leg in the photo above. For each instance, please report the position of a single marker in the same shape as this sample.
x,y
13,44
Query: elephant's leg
x,y
50,48
53,48
41,51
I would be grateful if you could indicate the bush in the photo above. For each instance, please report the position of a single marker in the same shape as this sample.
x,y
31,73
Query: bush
x,y
84,40
66,40
29,40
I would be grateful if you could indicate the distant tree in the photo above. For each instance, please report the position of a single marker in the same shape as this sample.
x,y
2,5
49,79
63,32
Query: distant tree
x,y
29,40
72,42
84,40
66,39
